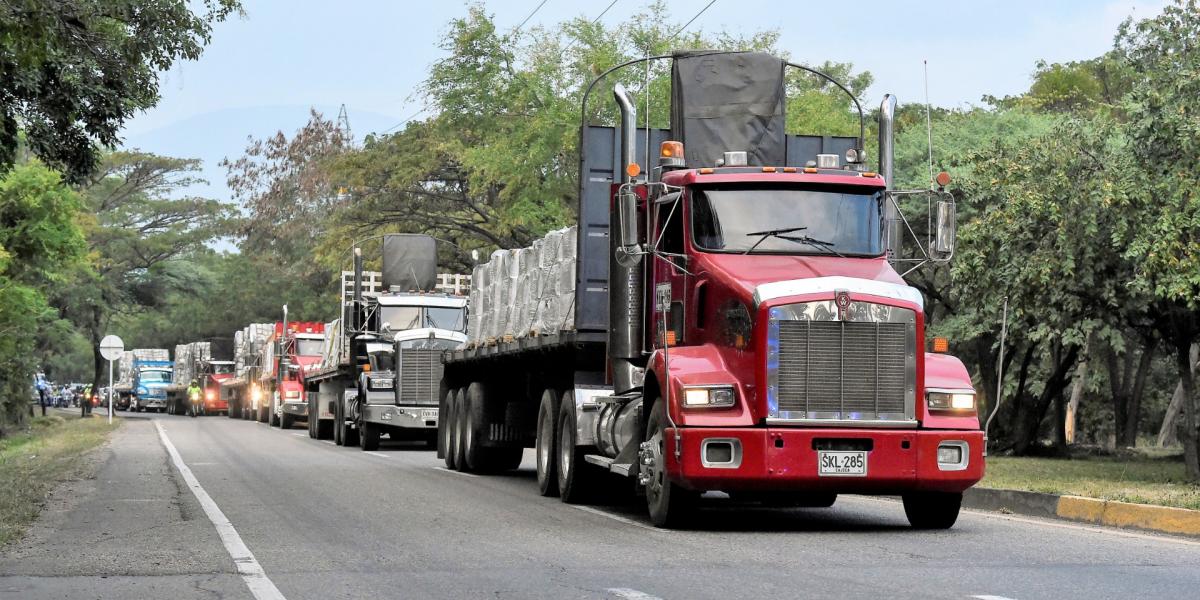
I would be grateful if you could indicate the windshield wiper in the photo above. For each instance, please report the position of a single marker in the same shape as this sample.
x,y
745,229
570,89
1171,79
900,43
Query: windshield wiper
x,y
800,239
804,239
770,233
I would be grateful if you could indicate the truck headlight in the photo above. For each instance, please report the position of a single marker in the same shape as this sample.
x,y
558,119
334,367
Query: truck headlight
x,y
711,397
209,395
292,394
381,383
950,400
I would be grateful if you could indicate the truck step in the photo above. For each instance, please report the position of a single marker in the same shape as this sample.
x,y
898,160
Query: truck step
x,y
612,465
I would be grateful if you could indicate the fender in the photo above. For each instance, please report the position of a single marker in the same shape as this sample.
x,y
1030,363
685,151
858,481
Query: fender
x,y
943,371
703,364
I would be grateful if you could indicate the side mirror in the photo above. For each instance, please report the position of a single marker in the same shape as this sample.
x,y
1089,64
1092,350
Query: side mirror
x,y
387,326
475,256
946,230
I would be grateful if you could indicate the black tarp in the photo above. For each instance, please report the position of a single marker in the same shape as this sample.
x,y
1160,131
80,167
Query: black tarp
x,y
728,101
409,262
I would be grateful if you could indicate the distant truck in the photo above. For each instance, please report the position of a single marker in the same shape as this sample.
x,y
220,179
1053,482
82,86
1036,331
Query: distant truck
x,y
208,363
381,366
145,375
294,346
242,392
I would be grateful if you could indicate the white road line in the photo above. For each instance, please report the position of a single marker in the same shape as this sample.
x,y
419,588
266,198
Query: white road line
x,y
299,434
987,597
330,442
628,594
377,454
603,513
453,472
252,573
1062,525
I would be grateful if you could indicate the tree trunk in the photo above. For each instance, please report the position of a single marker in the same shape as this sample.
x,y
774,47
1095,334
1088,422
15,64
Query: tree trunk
x,y
1027,436
1133,414
1189,434
1076,397
1166,432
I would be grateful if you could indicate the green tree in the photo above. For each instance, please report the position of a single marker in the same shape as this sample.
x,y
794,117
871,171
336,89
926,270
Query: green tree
x,y
140,223
73,71
40,240
1163,128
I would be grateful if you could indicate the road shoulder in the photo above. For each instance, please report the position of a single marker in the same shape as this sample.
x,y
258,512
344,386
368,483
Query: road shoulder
x,y
133,518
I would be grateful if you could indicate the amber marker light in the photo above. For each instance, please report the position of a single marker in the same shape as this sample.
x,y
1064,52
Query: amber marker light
x,y
633,169
941,345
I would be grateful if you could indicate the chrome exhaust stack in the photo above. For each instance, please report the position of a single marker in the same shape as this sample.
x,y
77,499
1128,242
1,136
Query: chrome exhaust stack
x,y
625,263
887,159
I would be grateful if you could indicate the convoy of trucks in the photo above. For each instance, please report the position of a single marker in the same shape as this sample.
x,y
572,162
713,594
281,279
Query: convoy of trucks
x,y
725,317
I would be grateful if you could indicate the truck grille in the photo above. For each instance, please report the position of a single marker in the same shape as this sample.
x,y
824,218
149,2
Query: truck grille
x,y
827,371
419,376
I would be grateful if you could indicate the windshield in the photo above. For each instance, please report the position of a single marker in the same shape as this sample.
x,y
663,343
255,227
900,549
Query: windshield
x,y
155,377
222,369
381,361
400,318
450,318
308,347
773,220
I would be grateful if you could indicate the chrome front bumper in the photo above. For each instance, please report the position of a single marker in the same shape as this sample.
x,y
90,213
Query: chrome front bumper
x,y
402,416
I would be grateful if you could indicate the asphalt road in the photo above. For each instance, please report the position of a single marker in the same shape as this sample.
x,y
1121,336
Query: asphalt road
x,y
329,522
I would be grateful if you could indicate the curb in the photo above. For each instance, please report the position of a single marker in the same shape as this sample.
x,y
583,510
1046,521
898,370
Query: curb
x,y
1110,513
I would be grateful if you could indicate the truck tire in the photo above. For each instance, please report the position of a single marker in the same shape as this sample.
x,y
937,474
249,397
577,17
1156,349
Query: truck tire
x,y
234,410
339,424
349,434
545,446
577,482
368,436
324,430
286,421
669,504
448,418
460,407
932,510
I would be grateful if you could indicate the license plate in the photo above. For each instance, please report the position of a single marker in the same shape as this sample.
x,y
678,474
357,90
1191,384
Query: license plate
x,y
841,463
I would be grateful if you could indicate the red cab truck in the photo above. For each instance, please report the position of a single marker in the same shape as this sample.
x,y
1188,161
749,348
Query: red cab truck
x,y
739,324
295,346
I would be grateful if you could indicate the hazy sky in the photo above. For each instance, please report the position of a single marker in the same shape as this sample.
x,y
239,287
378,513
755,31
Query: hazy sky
x,y
263,71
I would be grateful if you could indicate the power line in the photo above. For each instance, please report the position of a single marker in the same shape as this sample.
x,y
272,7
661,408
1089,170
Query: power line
x,y
405,120
697,16
593,22
535,11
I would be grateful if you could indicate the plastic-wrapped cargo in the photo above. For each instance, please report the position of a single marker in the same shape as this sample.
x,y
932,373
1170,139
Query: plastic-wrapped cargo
x,y
332,348
526,291
125,369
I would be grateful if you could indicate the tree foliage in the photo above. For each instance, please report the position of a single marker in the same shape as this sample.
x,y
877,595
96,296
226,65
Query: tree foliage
x,y
73,71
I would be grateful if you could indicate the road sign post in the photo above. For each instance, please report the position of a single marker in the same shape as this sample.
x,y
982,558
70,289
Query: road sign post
x,y
111,348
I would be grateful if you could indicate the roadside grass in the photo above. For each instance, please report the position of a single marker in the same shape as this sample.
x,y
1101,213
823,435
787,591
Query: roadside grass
x,y
1152,478
32,463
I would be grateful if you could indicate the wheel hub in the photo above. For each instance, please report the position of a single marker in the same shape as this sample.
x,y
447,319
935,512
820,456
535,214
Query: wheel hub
x,y
650,455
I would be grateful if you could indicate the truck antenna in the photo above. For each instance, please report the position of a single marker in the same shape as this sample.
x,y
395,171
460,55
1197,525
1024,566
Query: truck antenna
x,y
928,123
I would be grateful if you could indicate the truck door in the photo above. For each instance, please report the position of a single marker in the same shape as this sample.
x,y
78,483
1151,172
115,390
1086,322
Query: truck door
x,y
669,269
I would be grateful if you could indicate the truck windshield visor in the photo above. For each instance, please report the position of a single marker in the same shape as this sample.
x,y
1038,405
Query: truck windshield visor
x,y
822,220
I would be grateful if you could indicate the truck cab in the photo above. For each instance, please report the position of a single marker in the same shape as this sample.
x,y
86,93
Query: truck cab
x,y
151,379
399,387
298,346
215,372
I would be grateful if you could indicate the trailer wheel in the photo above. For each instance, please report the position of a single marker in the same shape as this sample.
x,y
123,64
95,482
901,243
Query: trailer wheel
x,y
339,424
669,504
932,510
324,429
460,407
477,458
576,482
449,419
286,421
545,445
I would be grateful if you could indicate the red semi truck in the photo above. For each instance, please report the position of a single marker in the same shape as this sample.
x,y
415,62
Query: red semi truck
x,y
738,325
295,346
